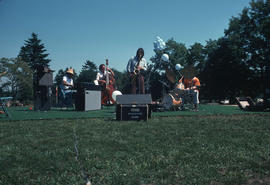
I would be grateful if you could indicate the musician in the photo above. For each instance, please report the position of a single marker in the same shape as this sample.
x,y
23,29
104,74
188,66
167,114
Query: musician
x,y
107,87
135,67
195,85
68,80
68,85
101,75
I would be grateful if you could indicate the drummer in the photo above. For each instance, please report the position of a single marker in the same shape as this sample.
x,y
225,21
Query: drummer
x,y
191,86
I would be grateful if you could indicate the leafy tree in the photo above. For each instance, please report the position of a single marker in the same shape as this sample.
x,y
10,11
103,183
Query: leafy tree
x,y
252,30
225,75
33,53
196,57
19,79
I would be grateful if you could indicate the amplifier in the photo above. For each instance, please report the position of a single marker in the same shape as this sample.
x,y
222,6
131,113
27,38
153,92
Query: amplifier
x,y
88,100
133,112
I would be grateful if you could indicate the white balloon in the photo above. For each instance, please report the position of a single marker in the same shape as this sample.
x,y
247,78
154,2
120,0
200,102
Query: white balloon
x,y
165,57
159,44
178,67
115,93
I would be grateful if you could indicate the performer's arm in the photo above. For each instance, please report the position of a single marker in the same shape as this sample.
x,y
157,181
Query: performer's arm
x,y
109,69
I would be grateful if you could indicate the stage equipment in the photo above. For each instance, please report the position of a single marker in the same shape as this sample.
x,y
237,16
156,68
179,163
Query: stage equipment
x,y
244,102
133,107
171,101
42,82
88,97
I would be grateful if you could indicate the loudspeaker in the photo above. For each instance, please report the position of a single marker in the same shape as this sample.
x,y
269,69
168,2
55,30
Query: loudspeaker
x,y
133,107
88,100
42,98
133,112
46,79
134,99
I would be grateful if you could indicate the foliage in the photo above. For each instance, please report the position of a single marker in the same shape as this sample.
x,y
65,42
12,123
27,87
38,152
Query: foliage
x,y
251,30
18,79
33,53
122,81
88,73
225,75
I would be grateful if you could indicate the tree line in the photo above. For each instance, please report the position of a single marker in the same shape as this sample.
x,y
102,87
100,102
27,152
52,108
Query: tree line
x,y
236,64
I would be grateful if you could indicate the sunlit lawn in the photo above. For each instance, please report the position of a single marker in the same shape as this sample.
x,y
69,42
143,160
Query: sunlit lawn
x,y
192,149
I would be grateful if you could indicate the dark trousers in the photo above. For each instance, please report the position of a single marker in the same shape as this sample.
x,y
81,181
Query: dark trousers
x,y
137,81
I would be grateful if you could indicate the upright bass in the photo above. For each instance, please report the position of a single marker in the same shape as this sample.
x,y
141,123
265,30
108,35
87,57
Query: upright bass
x,y
106,95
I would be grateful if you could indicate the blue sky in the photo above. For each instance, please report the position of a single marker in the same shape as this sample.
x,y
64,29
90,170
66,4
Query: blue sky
x,y
74,31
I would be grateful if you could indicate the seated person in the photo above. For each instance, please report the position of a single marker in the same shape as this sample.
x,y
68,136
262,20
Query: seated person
x,y
67,85
186,88
101,75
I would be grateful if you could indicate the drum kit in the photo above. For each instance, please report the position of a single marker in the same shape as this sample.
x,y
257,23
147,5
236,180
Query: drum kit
x,y
178,98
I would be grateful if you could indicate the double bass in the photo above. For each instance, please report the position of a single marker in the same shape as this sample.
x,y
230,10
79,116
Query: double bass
x,y
109,88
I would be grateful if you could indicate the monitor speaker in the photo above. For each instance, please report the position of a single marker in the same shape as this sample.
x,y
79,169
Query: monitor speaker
x,y
133,107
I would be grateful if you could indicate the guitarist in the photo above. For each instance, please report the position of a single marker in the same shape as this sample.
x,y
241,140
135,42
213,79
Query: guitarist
x,y
135,68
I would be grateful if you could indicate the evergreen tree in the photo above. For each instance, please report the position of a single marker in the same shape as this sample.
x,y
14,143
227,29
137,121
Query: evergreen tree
x,y
33,53
88,73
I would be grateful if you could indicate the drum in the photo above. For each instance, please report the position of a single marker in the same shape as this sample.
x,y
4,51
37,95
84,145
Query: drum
x,y
180,86
171,100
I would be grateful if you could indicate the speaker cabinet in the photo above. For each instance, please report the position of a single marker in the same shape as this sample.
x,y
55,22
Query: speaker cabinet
x,y
88,100
133,112
133,107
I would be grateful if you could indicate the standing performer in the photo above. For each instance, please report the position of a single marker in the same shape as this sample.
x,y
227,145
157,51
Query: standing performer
x,y
105,78
135,67
195,85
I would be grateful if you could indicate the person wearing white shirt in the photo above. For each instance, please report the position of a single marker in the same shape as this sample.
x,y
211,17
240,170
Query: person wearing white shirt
x,y
135,68
67,85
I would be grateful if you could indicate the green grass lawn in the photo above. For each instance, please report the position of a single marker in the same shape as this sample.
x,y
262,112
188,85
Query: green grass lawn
x,y
24,113
196,148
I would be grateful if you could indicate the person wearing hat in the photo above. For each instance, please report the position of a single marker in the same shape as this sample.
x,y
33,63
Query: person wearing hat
x,y
67,79
67,85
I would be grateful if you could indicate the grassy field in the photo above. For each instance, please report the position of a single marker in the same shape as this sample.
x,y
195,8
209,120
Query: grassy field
x,y
24,113
186,149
